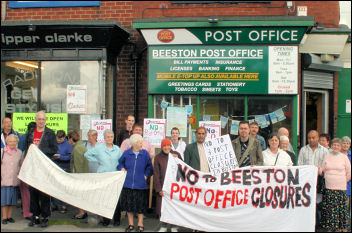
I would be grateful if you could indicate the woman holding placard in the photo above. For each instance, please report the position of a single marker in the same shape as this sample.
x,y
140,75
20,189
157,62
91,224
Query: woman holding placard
x,y
274,156
138,165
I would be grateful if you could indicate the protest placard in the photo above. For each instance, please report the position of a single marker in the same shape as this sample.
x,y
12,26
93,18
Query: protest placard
x,y
154,131
54,121
76,99
100,126
220,155
94,192
213,128
264,198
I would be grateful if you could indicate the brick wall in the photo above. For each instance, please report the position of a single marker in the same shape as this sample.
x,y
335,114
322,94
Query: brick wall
x,y
123,12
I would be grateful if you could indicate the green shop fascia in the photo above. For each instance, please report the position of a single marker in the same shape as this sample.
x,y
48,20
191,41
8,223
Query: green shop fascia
x,y
229,69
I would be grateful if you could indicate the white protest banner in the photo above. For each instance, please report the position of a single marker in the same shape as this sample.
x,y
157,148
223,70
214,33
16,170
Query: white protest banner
x,y
154,131
94,192
76,99
261,198
220,155
100,126
213,128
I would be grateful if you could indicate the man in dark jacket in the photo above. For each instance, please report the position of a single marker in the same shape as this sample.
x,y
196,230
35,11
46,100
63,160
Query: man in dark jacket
x,y
126,133
195,154
248,150
45,139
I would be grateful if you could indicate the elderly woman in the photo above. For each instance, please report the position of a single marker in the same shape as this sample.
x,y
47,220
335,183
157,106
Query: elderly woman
x,y
274,156
79,164
160,165
138,165
92,141
177,143
11,159
107,155
284,142
345,149
337,172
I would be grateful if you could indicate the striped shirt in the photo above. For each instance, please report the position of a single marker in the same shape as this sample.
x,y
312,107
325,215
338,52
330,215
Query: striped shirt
x,y
309,157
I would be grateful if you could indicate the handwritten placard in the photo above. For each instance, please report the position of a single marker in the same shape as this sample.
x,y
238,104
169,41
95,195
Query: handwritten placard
x,y
213,128
76,99
154,131
220,154
100,126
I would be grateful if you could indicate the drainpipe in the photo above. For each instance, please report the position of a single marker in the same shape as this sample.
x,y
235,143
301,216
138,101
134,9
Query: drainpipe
x,y
3,10
135,56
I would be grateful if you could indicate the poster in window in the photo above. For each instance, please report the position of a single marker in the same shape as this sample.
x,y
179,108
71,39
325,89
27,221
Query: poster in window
x,y
76,99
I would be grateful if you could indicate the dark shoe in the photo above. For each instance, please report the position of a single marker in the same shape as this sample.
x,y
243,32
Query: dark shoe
x,y
105,224
116,223
34,221
11,220
129,228
4,221
140,229
45,222
84,216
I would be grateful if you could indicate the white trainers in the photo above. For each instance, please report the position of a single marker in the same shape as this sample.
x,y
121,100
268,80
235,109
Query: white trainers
x,y
162,229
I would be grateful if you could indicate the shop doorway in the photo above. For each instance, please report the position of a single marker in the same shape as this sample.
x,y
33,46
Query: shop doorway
x,y
315,109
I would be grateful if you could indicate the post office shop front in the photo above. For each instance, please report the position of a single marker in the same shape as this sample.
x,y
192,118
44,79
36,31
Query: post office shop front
x,y
230,69
44,63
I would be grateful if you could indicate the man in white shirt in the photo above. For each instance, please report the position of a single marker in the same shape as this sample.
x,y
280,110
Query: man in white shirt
x,y
314,154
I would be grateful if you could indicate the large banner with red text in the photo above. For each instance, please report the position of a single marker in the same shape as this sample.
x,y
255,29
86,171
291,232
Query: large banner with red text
x,y
261,198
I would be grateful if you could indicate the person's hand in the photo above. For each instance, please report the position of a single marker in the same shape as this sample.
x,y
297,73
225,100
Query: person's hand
x,y
161,193
175,155
145,177
123,170
56,156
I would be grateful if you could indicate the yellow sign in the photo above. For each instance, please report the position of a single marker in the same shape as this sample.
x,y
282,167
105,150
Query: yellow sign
x,y
54,121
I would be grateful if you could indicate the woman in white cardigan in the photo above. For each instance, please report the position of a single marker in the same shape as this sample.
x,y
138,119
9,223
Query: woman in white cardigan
x,y
274,156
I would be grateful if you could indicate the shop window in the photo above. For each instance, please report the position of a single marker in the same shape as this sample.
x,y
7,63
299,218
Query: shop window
x,y
270,108
160,110
19,81
58,75
217,109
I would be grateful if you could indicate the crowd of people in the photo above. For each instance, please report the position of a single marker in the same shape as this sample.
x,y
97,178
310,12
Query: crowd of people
x,y
135,156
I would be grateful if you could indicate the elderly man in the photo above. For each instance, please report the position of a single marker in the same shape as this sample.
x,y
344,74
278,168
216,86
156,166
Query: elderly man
x,y
6,125
314,154
284,132
248,150
195,154
45,139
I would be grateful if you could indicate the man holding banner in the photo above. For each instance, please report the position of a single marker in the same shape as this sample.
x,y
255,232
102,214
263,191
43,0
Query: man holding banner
x,y
45,139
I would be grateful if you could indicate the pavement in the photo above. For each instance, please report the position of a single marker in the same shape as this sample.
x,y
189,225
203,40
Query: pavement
x,y
59,222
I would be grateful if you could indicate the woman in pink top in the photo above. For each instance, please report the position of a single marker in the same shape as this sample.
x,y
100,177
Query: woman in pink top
x,y
337,172
11,159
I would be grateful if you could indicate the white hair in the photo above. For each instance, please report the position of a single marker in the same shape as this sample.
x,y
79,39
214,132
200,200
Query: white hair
x,y
135,138
12,136
284,138
40,112
108,131
346,139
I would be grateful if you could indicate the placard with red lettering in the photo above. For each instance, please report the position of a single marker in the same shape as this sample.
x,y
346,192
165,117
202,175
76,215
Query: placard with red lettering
x,y
154,131
264,198
100,126
213,128
76,99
